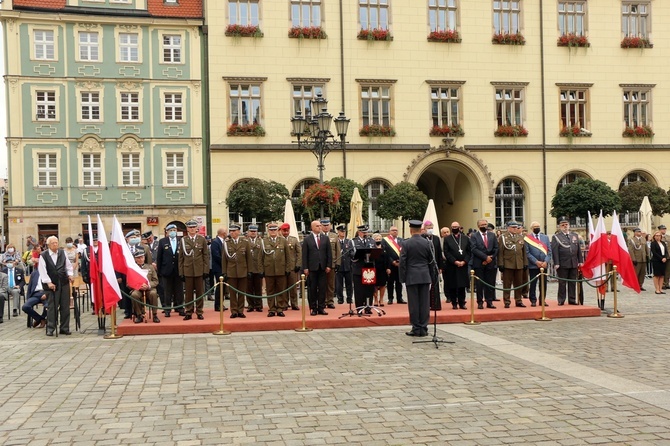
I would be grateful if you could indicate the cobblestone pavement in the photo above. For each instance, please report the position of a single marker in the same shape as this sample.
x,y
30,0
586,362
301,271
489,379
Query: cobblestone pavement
x,y
565,382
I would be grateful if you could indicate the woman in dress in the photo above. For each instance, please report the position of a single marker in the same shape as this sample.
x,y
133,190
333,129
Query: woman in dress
x,y
659,255
73,255
382,270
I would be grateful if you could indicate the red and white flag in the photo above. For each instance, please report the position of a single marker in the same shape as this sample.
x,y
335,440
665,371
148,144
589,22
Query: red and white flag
x,y
621,258
109,286
598,255
94,271
123,259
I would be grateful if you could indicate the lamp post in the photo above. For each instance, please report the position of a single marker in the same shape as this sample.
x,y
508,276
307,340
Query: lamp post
x,y
315,135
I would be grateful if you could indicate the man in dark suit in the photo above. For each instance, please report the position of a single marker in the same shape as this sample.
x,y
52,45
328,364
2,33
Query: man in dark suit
x,y
392,246
538,251
362,293
317,259
36,295
167,266
16,280
216,250
343,266
484,247
416,262
567,256
428,234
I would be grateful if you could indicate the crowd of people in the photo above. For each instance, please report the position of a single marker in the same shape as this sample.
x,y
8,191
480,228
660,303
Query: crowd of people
x,y
368,271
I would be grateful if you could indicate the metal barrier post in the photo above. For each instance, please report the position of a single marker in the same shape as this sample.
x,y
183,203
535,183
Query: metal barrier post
x,y
542,296
472,300
221,307
304,328
113,334
615,313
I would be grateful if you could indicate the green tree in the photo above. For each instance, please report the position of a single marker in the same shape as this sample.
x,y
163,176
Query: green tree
x,y
346,187
583,195
255,198
404,201
633,194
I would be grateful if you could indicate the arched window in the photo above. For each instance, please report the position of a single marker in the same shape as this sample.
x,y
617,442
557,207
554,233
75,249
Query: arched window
x,y
633,177
570,177
509,202
375,188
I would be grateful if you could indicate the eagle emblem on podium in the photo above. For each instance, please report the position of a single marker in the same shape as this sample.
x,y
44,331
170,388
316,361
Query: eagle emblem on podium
x,y
369,276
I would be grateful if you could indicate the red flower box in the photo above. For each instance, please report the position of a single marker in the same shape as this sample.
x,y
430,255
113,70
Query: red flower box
x,y
246,130
446,130
574,132
243,31
374,34
507,131
311,32
571,39
636,42
508,39
641,131
448,36
376,130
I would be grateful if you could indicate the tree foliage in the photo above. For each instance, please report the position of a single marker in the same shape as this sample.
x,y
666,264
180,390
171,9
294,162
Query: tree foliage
x,y
633,194
404,201
342,213
584,195
255,198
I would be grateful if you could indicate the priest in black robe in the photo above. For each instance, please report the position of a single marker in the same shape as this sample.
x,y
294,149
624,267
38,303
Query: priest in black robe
x,y
456,250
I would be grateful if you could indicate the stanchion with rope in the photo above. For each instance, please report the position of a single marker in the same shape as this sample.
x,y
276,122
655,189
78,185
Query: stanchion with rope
x,y
542,296
113,334
472,300
304,328
221,293
615,313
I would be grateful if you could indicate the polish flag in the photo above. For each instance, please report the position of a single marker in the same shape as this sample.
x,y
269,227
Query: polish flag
x,y
124,262
109,286
598,255
621,258
94,271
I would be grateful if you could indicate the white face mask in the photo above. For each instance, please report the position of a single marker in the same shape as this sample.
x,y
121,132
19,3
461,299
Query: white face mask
x,y
134,241
69,245
172,234
10,250
429,231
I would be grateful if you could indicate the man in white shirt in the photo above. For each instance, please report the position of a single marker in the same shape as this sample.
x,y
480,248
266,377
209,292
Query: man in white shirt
x,y
56,276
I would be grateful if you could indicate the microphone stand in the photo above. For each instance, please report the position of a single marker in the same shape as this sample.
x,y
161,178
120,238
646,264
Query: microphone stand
x,y
435,340
351,311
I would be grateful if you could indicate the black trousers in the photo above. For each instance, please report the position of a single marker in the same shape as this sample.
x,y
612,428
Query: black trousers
x,y
394,284
418,297
173,292
362,293
344,279
571,274
535,284
487,275
58,301
317,289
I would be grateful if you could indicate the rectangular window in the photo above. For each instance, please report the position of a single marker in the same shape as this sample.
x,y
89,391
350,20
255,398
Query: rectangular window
x,y
91,170
243,12
574,108
44,46
47,173
245,104
130,163
305,13
130,106
442,15
88,47
635,19
129,48
302,97
45,105
572,17
373,14
171,49
636,107
445,105
172,107
506,17
509,106
376,105
174,169
90,106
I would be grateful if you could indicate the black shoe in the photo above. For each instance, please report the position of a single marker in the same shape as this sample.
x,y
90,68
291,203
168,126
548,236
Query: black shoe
x,y
368,311
390,302
15,312
281,314
156,320
323,312
402,301
271,314
521,304
496,300
65,332
260,310
533,304
139,319
312,312
1,321
242,315
250,310
128,316
642,289
182,313
423,334
454,307
295,307
201,317
560,304
50,333
340,301
331,306
412,333
480,306
167,314
233,316
187,317
491,306
463,307
506,305
573,303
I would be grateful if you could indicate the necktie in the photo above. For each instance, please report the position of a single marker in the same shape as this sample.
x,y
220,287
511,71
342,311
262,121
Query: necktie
x,y
11,279
486,240
537,237
317,242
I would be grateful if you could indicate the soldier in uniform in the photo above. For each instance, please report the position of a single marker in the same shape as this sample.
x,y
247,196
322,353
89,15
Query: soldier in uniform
x,y
135,243
193,267
343,266
167,266
275,260
216,252
567,256
294,258
639,254
416,271
362,293
146,291
330,277
236,262
512,262
255,280
428,234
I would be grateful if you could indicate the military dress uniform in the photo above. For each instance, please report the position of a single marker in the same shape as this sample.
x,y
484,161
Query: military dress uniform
x,y
275,260
639,254
512,262
150,294
362,293
567,256
330,276
236,261
255,280
193,267
343,269
294,250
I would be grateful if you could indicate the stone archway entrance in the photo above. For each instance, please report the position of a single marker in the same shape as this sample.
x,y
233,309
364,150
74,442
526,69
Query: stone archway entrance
x,y
458,182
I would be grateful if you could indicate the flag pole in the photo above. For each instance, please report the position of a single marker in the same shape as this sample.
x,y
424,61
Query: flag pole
x,y
113,334
615,313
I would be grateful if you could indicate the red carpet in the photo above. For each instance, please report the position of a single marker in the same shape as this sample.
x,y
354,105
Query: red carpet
x,y
395,315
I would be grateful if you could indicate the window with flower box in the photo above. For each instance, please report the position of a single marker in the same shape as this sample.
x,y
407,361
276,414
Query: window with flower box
x,y
442,15
636,24
374,19
303,94
244,12
637,111
509,100
506,17
572,23
376,108
244,95
445,101
305,13
574,103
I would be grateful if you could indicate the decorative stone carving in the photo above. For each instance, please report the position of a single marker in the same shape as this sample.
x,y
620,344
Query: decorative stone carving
x,y
130,144
91,144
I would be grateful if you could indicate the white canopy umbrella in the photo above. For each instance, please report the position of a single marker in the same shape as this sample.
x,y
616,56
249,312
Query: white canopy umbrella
x,y
431,215
289,217
646,215
356,208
